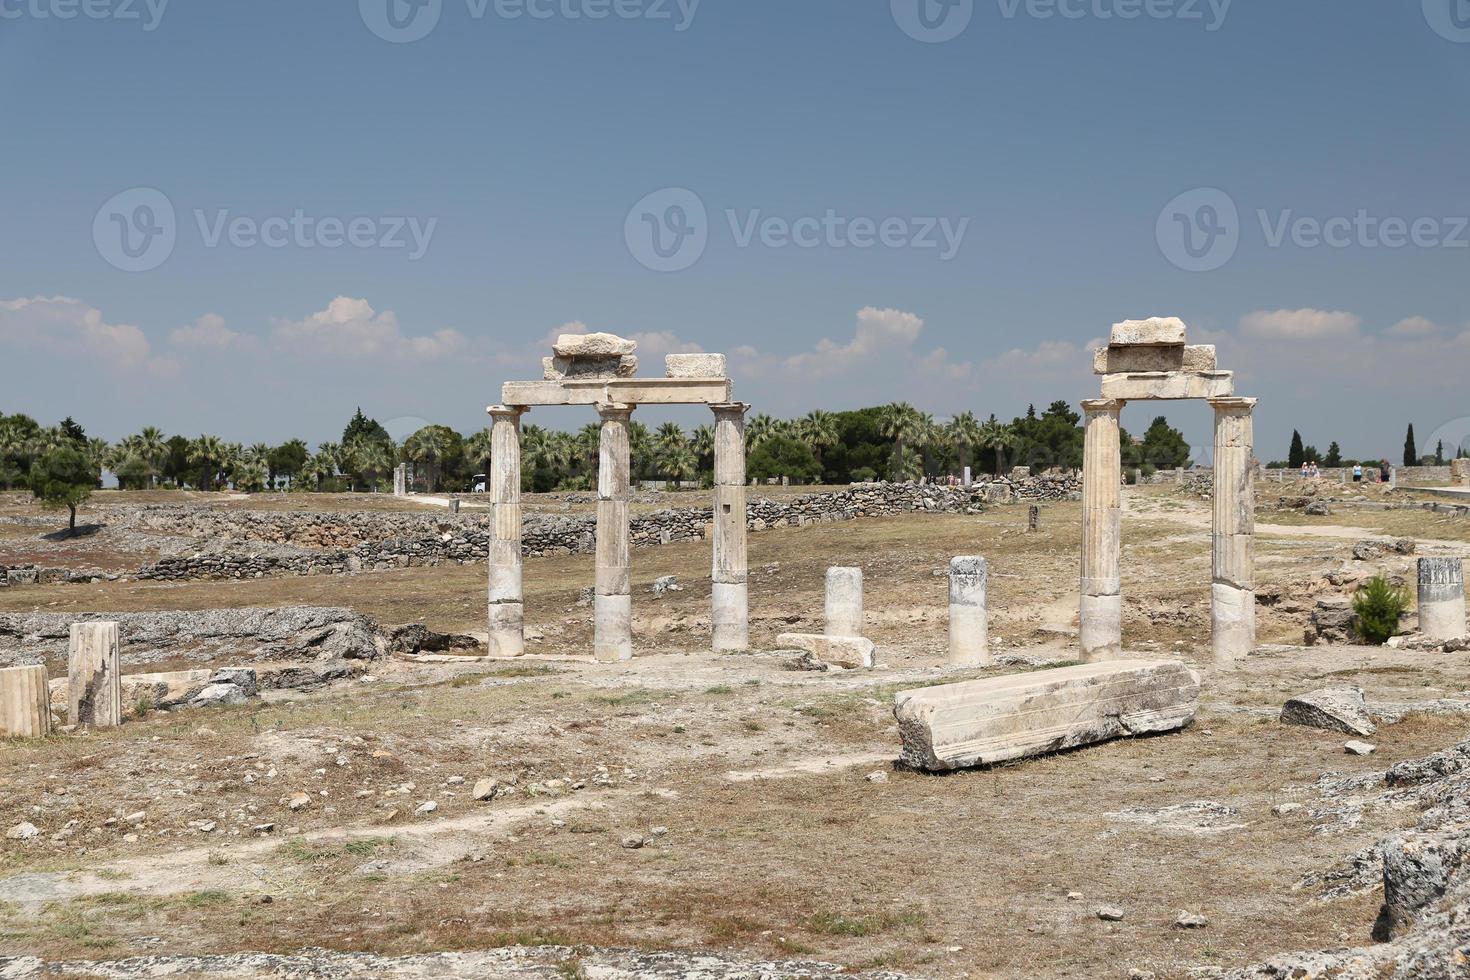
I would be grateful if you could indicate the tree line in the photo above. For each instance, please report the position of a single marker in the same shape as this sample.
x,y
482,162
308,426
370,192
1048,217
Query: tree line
x,y
895,442
1299,452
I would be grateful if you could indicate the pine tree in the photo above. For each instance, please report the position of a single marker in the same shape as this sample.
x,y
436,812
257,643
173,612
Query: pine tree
x,y
1439,453
1298,454
1411,452
1334,456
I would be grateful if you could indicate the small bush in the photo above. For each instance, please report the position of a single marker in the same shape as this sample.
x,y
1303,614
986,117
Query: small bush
x,y
1379,607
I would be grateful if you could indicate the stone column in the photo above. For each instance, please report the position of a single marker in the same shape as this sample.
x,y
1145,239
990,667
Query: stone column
x,y
1100,617
94,694
1233,584
1442,598
613,609
844,602
969,631
507,599
25,702
730,601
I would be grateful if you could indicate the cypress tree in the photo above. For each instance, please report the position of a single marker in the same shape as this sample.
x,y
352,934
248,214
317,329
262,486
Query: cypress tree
x,y
1411,453
1298,454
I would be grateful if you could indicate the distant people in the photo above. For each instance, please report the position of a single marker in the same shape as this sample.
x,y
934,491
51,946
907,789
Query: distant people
x,y
1383,473
1305,472
1316,473
1357,472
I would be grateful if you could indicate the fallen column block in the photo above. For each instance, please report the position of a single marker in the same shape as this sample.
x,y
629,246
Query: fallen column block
x,y
975,723
94,691
25,705
844,651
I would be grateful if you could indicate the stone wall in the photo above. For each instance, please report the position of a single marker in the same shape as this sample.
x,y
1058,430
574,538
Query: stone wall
x,y
354,542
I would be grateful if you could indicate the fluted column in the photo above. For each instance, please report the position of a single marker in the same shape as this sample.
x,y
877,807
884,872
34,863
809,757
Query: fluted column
x,y
613,609
730,597
507,601
1100,617
25,702
94,676
1233,583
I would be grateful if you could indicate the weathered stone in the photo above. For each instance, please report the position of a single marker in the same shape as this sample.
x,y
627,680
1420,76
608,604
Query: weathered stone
x,y
1130,360
695,366
852,652
219,695
1355,747
1319,508
1339,709
561,368
25,704
729,571
1158,331
1100,616
242,677
1163,386
969,636
94,692
844,602
983,722
506,611
613,605
593,345
1460,472
1442,598
1232,592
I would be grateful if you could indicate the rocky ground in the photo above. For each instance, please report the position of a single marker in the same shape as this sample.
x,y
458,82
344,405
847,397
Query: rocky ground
x,y
691,815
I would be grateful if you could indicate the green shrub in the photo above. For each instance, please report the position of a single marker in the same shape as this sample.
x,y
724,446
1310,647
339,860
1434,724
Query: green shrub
x,y
1379,607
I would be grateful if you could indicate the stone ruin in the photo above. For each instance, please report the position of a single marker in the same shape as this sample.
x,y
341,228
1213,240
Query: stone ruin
x,y
1149,360
600,370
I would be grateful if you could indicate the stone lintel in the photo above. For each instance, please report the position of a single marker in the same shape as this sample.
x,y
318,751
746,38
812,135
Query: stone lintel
x,y
627,391
1234,402
1129,360
1168,386
1158,331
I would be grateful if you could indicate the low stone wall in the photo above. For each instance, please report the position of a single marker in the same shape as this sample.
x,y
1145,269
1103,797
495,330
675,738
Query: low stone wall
x,y
403,540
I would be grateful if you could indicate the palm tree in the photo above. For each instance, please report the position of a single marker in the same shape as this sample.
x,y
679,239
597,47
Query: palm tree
x,y
640,449
997,436
761,428
477,450
965,433
703,444
152,445
819,431
322,465
207,453
429,446
542,451
904,424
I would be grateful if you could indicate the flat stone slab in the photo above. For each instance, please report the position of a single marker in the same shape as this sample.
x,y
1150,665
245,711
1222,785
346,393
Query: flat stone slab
x,y
617,391
977,723
593,345
1157,331
1333,709
1164,385
844,651
1131,360
561,368
695,366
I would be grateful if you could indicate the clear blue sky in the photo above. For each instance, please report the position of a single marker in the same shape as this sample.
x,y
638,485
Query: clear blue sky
x,y
527,141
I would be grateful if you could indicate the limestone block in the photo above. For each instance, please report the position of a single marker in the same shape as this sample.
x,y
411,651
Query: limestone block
x,y
593,345
1158,331
969,637
1159,385
561,368
1460,472
94,693
1338,709
844,610
612,628
1132,360
730,618
1442,598
22,576
628,391
844,651
954,726
695,366
25,704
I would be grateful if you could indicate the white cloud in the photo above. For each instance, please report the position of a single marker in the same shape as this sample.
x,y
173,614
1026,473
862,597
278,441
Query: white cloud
x,y
1304,324
351,328
209,333
1049,359
878,333
70,327
1414,326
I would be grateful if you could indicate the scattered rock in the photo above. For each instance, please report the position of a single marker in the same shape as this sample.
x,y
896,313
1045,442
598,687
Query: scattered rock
x,y
1319,508
1355,747
634,841
1338,709
666,583
1110,913
877,776
298,801
1190,920
1286,809
22,831
425,808
485,789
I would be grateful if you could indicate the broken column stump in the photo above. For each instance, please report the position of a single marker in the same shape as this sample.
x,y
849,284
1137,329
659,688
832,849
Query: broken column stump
x,y
94,694
977,723
25,702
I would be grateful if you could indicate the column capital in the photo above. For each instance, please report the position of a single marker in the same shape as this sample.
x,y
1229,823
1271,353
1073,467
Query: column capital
x,y
615,411
1099,406
726,409
1233,404
507,411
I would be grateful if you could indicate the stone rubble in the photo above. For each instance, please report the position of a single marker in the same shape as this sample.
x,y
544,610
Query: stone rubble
x,y
1339,709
